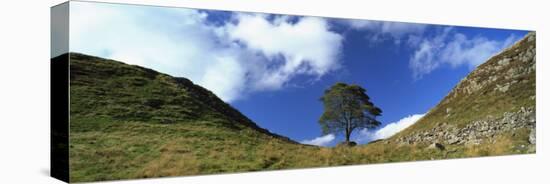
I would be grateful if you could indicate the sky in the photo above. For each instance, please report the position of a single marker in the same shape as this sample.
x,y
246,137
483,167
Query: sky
x,y
274,68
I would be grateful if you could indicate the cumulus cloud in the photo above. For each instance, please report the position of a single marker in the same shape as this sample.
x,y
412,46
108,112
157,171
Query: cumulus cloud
x,y
172,41
379,30
387,131
250,52
445,47
305,47
453,49
320,141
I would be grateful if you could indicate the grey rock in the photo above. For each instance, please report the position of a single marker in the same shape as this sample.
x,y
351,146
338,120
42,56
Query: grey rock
x,y
503,88
437,146
477,131
453,140
531,38
504,61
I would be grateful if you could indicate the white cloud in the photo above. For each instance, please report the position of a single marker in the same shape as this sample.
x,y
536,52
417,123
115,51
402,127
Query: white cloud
x,y
320,141
248,53
305,47
454,49
387,131
379,30
173,41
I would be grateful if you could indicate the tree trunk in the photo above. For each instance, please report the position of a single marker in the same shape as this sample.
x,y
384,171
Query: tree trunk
x,y
348,129
348,132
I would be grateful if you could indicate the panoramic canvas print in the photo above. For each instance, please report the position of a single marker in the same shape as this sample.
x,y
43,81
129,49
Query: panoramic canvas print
x,y
163,91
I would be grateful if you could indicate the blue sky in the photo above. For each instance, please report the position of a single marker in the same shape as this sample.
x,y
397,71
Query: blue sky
x,y
274,68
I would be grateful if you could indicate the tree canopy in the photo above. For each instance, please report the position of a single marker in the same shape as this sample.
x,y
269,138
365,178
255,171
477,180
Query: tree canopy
x,y
346,108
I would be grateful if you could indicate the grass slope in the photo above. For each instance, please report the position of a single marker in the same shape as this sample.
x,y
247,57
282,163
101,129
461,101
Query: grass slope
x,y
128,122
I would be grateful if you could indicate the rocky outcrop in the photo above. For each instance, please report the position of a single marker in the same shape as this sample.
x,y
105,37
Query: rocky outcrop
x,y
475,132
497,97
503,69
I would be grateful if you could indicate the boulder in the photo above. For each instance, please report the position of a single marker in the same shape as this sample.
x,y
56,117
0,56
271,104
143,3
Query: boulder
x,y
504,61
437,146
453,140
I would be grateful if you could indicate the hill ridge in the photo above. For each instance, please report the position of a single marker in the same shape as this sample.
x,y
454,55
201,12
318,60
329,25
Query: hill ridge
x,y
198,94
498,96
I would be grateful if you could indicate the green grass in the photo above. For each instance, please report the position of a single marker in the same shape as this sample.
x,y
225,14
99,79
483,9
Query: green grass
x,y
105,150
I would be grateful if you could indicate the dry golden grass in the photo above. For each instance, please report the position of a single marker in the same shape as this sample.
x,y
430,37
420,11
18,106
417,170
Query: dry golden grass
x,y
501,146
174,160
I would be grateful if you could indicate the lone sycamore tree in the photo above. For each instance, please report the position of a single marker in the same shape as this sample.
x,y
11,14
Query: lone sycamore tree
x,y
346,108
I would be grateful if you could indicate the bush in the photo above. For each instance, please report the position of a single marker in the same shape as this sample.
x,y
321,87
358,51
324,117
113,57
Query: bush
x,y
153,102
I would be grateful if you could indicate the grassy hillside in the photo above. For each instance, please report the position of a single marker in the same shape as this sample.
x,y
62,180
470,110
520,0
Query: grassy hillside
x,y
132,122
109,88
128,121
